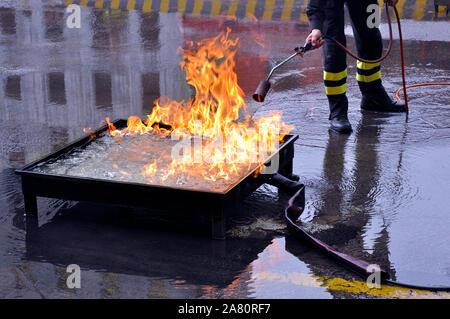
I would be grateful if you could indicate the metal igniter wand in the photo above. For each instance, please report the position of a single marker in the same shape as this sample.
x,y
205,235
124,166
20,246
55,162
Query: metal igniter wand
x,y
264,86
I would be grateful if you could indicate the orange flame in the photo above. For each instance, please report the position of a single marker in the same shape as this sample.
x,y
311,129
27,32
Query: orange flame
x,y
89,130
227,145
150,169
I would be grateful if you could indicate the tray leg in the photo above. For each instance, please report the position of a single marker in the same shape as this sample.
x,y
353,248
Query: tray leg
x,y
287,170
288,166
31,205
218,225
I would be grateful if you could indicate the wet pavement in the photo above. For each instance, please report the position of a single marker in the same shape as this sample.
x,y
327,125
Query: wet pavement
x,y
380,194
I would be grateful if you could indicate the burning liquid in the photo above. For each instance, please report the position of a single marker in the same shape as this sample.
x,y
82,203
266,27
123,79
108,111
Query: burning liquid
x,y
211,115
128,160
202,139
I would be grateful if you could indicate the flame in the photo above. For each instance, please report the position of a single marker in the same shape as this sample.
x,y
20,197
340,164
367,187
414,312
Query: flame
x,y
89,130
150,169
112,129
210,120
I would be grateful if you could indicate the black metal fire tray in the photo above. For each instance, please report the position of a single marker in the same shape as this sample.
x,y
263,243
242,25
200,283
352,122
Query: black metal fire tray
x,y
174,200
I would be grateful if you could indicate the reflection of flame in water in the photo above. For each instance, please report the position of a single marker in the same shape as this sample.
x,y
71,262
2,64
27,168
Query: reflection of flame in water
x,y
227,146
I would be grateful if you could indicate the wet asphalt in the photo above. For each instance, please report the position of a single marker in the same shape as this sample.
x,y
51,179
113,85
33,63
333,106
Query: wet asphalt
x,y
380,194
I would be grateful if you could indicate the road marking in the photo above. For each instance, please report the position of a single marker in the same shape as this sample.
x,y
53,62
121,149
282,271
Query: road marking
x,y
287,9
268,9
348,286
147,6
131,4
291,10
99,4
442,11
418,13
303,16
250,8
400,6
198,6
164,7
115,4
215,7
181,6
233,8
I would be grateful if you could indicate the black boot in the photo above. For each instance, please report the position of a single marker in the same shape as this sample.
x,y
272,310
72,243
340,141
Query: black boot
x,y
375,98
338,113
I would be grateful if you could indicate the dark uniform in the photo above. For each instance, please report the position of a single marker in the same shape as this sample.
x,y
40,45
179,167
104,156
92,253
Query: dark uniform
x,y
328,17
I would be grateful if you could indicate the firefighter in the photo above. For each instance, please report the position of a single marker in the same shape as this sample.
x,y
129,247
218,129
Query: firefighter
x,y
327,24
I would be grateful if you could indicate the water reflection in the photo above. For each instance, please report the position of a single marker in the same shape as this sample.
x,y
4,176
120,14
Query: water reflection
x,y
54,25
8,20
12,87
333,173
57,88
346,217
101,75
100,27
150,90
150,252
374,237
149,30
103,92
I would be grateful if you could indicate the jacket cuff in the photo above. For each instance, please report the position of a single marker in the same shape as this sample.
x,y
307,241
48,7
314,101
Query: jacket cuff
x,y
316,23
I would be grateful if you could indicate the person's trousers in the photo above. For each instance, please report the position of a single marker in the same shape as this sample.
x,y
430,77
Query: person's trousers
x,y
368,44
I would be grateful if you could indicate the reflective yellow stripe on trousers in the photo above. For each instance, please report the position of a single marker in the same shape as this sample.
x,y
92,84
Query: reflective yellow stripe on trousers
x,y
335,83
368,72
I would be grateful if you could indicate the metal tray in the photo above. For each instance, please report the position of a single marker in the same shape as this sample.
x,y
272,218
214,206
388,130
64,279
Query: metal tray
x,y
173,200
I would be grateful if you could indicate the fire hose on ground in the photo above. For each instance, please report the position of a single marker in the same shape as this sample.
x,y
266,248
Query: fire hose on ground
x,y
295,208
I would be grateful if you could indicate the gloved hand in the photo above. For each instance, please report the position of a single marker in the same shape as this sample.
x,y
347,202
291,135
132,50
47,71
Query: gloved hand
x,y
316,39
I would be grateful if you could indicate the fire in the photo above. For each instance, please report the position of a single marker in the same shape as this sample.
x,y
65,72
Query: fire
x,y
90,131
150,169
223,145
